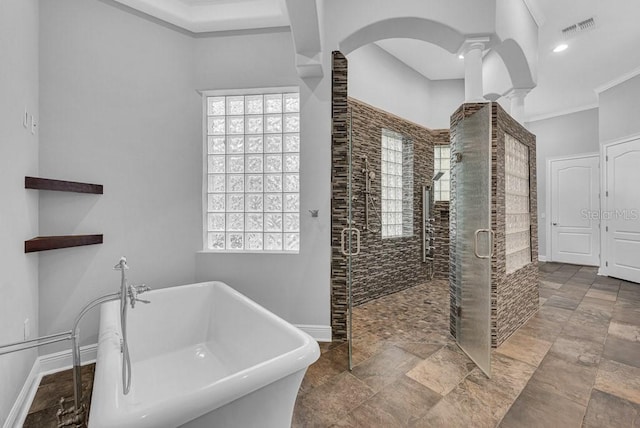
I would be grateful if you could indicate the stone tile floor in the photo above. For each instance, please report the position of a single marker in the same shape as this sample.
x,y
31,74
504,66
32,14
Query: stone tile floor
x,y
575,363
45,405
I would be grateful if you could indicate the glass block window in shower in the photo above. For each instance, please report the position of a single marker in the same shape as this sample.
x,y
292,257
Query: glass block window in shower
x,y
253,171
517,210
442,163
397,185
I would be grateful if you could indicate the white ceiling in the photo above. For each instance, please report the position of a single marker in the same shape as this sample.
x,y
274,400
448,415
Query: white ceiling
x,y
566,81
200,16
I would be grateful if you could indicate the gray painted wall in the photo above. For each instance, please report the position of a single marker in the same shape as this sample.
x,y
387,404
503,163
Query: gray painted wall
x,y
19,207
294,286
119,109
570,134
378,78
620,110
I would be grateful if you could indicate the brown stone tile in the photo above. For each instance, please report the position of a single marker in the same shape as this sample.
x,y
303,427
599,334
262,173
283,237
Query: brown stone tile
x,y
385,367
442,371
461,409
622,351
525,348
365,345
577,351
619,379
546,293
606,280
541,328
606,410
420,349
626,315
599,304
554,314
579,329
624,331
562,302
45,418
304,417
398,404
479,401
572,381
508,375
591,316
575,288
550,284
600,294
333,400
612,288
537,407
331,363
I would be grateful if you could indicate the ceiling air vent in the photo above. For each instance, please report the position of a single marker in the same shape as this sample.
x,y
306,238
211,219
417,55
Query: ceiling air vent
x,y
579,27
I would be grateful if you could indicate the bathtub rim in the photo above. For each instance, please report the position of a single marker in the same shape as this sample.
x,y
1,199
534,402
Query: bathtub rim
x,y
195,403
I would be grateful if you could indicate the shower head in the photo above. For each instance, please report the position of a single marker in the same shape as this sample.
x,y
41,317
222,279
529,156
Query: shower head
x,y
438,176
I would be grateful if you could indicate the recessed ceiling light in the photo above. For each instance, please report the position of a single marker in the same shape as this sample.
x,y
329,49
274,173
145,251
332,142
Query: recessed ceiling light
x,y
460,56
561,47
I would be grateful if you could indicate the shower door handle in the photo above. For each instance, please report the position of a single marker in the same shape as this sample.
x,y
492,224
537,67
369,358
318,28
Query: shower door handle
x,y
343,241
475,242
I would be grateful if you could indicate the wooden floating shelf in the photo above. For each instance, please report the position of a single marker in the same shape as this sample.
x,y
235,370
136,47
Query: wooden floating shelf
x,y
61,185
43,243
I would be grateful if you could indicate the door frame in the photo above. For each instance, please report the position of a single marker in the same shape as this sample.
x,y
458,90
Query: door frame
x,y
548,219
604,185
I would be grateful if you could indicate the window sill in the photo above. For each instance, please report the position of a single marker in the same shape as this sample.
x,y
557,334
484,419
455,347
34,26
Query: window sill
x,y
286,253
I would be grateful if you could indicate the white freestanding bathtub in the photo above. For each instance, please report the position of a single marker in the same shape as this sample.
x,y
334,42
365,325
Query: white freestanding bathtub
x,y
202,355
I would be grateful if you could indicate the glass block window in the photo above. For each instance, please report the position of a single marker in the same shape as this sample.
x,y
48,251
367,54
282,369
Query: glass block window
x,y
442,162
397,185
517,209
253,172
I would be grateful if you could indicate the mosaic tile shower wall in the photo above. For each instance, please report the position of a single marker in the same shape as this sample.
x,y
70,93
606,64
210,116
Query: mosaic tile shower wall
x,y
385,266
514,295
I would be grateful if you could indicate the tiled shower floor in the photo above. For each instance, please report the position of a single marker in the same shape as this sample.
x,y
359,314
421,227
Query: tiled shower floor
x,y
575,363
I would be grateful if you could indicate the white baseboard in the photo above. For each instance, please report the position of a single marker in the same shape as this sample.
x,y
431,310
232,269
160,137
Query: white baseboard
x,y
542,258
44,365
20,408
321,333
63,360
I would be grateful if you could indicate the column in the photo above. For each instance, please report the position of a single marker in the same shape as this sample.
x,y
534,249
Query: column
x,y
516,100
472,50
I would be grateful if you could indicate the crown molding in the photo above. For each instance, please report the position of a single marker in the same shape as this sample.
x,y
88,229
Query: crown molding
x,y
561,113
618,80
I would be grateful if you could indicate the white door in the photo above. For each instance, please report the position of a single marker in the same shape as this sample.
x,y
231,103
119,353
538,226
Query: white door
x,y
622,214
575,210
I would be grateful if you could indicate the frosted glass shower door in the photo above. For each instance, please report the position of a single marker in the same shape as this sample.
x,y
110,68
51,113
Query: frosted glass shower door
x,y
471,149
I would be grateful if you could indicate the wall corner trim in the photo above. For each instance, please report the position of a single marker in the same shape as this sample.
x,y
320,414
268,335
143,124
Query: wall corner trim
x,y
536,12
321,333
44,365
618,80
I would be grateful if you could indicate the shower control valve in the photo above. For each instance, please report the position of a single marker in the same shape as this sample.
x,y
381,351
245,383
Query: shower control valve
x,y
133,294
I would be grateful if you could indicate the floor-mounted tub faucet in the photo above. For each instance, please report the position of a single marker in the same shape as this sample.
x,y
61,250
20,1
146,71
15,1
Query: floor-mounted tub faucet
x,y
76,415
